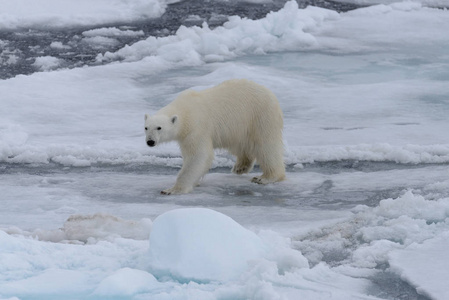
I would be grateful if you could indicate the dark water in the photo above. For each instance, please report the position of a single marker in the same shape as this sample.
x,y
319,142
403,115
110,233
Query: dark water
x,y
18,49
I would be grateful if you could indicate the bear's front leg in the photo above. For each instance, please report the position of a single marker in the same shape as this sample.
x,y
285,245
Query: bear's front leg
x,y
174,191
194,167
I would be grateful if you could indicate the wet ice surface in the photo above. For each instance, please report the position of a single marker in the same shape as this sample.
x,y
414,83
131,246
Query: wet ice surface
x,y
366,195
233,190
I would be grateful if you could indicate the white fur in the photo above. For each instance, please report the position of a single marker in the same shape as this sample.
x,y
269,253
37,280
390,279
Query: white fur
x,y
238,115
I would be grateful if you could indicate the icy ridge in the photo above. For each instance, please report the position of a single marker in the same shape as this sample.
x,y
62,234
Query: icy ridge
x,y
285,30
85,156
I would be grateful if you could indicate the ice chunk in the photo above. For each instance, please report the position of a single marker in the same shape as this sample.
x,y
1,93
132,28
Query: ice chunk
x,y
112,32
99,42
126,282
415,207
47,63
202,244
59,46
425,266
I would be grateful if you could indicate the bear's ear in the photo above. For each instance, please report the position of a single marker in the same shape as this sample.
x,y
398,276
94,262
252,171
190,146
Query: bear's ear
x,y
174,119
146,117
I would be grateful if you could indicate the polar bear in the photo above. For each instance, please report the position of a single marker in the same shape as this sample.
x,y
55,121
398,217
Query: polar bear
x,y
238,115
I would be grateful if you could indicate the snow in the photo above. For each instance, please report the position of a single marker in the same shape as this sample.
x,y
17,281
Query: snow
x,y
30,267
365,100
111,32
23,14
358,125
431,3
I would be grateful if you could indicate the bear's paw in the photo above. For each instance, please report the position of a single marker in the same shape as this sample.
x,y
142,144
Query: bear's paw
x,y
262,180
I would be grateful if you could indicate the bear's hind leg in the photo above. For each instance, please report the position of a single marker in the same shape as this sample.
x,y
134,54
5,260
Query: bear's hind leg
x,y
243,165
271,161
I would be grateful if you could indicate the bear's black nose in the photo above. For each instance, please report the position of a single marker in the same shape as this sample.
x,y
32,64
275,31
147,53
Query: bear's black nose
x,y
151,143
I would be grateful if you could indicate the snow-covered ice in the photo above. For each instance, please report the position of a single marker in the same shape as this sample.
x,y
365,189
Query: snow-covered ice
x,y
431,3
415,263
281,31
111,32
47,63
363,214
24,14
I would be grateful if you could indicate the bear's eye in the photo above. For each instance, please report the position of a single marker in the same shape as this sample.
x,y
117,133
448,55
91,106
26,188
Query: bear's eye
x,y
146,128
159,128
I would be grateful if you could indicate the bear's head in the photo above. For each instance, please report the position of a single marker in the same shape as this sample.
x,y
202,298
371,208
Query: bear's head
x,y
160,129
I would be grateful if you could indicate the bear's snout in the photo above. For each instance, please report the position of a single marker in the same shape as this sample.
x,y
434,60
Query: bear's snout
x,y
151,143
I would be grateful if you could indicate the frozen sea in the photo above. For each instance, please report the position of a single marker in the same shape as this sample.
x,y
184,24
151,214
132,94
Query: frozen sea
x,y
363,214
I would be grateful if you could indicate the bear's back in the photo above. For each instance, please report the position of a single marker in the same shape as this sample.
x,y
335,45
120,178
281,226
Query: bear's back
x,y
237,111
238,97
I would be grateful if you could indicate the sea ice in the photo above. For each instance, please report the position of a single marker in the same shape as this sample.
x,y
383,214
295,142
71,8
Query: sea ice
x,y
99,42
431,3
112,32
365,117
47,63
285,30
23,14
425,266
126,282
